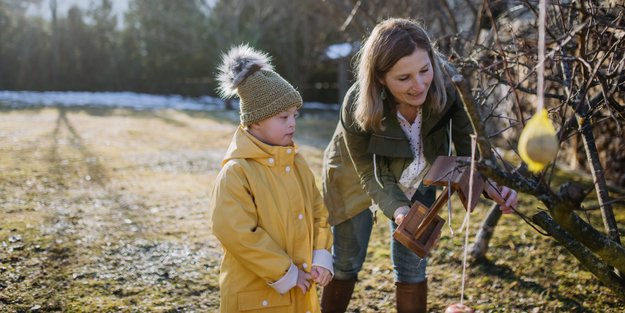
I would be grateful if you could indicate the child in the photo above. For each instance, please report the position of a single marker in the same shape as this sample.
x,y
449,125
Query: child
x,y
267,212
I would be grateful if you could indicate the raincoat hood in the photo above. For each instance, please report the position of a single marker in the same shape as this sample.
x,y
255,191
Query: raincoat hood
x,y
245,146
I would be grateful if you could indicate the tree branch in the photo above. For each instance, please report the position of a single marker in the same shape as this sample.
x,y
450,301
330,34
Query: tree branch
x,y
590,261
462,86
608,250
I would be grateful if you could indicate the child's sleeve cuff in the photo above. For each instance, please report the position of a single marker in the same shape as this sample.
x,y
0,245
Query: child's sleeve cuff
x,y
288,281
323,258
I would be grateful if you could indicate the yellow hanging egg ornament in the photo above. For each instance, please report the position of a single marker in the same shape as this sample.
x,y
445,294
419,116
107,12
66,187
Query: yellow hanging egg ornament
x,y
538,144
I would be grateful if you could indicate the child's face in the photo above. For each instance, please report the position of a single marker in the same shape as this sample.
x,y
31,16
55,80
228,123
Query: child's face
x,y
277,130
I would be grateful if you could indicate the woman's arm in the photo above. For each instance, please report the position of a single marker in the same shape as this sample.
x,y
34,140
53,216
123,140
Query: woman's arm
x,y
381,188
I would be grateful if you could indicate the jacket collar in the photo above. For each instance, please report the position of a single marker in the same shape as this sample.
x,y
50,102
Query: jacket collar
x,y
245,146
434,120
429,120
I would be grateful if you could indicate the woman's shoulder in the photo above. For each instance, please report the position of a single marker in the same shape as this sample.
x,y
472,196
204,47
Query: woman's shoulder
x,y
449,71
347,110
349,102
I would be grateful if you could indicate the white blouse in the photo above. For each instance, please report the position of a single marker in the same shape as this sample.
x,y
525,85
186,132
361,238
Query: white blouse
x,y
412,175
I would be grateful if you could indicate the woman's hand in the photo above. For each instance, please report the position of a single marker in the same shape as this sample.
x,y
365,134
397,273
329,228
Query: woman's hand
x,y
320,275
506,197
510,195
400,214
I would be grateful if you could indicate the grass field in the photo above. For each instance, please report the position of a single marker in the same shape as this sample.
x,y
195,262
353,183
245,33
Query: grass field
x,y
106,210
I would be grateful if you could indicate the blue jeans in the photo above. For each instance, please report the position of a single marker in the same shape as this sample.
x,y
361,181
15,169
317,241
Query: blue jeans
x,y
351,239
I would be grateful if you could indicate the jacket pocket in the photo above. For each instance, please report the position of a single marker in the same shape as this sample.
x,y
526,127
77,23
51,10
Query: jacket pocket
x,y
262,299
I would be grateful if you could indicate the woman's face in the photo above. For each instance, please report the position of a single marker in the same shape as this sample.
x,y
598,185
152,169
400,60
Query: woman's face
x,y
409,79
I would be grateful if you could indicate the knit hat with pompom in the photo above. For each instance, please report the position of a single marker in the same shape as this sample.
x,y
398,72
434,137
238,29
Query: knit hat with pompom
x,y
249,74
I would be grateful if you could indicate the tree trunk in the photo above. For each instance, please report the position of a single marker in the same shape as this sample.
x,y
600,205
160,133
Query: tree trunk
x,y
487,229
601,186
54,77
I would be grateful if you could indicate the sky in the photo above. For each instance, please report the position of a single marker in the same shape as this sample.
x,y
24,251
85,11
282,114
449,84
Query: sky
x,y
43,9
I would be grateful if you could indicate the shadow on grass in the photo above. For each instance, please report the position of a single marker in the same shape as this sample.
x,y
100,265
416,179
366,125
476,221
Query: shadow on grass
x,y
103,112
95,170
506,274
315,123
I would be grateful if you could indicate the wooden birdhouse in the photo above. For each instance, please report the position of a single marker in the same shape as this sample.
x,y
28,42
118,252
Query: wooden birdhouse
x,y
421,228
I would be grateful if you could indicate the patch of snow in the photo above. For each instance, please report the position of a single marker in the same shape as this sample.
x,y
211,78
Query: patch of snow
x,y
131,100
139,101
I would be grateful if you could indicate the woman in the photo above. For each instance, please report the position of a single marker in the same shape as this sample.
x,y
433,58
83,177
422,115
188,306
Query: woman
x,y
395,120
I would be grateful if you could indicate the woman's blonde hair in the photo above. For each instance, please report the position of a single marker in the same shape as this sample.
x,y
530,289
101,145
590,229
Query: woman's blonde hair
x,y
390,41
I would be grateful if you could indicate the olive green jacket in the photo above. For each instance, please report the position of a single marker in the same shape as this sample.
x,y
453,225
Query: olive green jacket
x,y
360,167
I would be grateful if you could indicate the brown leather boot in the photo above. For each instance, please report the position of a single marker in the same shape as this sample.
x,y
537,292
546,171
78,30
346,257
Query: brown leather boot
x,y
411,298
336,295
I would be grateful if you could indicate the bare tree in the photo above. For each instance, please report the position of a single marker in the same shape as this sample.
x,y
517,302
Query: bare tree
x,y
585,80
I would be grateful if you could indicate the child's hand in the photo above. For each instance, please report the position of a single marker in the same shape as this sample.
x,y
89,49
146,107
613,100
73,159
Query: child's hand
x,y
303,281
320,275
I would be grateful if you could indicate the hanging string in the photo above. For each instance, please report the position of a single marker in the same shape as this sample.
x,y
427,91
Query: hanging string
x,y
467,216
451,230
540,92
538,142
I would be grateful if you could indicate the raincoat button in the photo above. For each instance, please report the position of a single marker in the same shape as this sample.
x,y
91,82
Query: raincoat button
x,y
288,151
305,266
288,169
265,303
270,160
301,216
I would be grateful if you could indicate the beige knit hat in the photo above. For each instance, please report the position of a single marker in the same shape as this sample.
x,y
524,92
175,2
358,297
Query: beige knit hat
x,y
247,73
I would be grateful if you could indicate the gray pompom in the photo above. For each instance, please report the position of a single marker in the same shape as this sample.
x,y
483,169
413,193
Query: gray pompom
x,y
237,65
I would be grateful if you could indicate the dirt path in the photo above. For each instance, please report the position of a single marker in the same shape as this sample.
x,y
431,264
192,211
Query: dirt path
x,y
107,210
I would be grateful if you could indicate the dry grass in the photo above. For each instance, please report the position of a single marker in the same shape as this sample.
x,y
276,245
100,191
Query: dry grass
x,y
106,211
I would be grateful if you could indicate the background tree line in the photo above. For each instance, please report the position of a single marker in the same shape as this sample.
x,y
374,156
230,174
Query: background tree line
x,y
167,47
162,46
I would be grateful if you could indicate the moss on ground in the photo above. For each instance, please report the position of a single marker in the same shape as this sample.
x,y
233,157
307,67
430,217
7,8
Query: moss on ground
x,y
106,210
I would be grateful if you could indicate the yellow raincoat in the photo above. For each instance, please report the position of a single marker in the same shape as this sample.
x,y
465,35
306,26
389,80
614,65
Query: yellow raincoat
x,y
270,218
